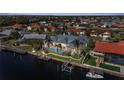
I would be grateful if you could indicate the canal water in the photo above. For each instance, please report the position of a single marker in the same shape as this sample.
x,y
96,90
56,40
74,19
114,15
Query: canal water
x,y
14,66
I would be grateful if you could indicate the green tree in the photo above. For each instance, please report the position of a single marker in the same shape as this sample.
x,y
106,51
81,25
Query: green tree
x,y
48,40
116,38
15,35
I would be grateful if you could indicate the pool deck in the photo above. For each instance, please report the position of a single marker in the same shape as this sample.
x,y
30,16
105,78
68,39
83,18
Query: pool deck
x,y
54,49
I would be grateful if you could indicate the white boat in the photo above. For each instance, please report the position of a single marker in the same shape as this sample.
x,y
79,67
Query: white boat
x,y
94,76
33,50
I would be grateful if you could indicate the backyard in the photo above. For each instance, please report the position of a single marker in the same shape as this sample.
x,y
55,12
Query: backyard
x,y
63,58
91,61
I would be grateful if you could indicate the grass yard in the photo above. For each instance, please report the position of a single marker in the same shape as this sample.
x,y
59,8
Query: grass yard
x,y
91,61
26,48
110,67
63,58
58,57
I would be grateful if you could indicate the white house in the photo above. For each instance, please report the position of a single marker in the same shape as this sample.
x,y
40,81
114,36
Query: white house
x,y
106,35
29,28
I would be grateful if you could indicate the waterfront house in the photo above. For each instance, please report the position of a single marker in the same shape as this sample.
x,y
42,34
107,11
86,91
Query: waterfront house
x,y
4,35
68,41
111,52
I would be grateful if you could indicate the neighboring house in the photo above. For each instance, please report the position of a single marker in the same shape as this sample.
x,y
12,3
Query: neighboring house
x,y
107,24
29,28
113,52
3,37
45,29
93,33
106,35
74,30
118,25
6,32
51,28
35,26
34,36
101,33
17,26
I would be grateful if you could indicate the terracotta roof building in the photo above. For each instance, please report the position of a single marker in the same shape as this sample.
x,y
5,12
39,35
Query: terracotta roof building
x,y
35,26
106,47
113,52
118,25
17,26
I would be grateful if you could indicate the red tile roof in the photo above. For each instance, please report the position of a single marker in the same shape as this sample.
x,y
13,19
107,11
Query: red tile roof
x,y
35,26
51,27
118,25
106,47
18,26
100,31
73,30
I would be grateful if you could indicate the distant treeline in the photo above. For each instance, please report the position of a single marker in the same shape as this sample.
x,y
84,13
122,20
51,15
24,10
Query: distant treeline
x,y
11,20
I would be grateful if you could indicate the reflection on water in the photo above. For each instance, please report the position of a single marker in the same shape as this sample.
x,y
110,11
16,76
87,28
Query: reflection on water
x,y
28,67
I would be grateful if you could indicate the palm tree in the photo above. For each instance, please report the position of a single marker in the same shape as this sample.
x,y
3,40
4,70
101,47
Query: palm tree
x,y
77,45
41,44
66,40
48,40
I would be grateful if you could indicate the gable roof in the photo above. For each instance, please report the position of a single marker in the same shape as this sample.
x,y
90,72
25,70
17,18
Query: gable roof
x,y
34,36
68,39
6,32
18,26
73,30
106,47
35,26
101,32
118,25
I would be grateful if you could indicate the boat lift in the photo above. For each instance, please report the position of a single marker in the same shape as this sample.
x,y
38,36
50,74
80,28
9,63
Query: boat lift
x,y
97,71
67,67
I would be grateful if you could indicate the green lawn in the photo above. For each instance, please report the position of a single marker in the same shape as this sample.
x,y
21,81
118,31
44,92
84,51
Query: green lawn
x,y
58,57
26,48
110,67
63,58
91,61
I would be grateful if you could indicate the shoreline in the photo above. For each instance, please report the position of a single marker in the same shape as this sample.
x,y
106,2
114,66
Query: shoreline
x,y
86,66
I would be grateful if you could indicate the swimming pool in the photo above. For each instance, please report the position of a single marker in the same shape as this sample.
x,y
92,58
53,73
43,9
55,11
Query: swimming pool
x,y
55,50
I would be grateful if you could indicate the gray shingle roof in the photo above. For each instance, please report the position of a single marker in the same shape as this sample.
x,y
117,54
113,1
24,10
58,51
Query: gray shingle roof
x,y
34,36
6,32
68,39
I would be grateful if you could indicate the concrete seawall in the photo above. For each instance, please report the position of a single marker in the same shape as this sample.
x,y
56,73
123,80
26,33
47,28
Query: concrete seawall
x,y
118,74
19,51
